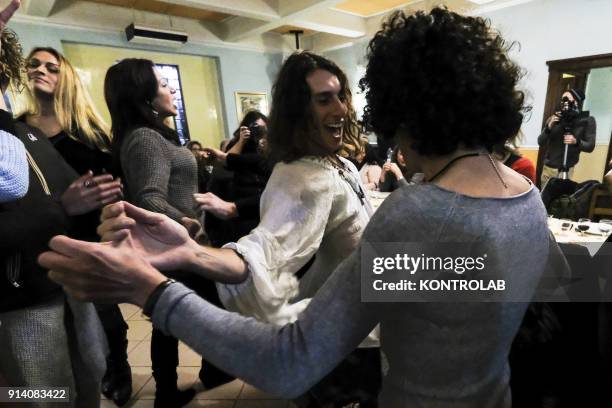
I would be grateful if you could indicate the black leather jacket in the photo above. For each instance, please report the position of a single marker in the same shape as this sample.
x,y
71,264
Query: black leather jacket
x,y
27,225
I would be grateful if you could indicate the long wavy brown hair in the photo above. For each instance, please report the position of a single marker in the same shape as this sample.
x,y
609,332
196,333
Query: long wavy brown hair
x,y
11,61
292,123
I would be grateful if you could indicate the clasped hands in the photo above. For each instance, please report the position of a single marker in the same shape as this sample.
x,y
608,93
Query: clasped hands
x,y
125,267
137,245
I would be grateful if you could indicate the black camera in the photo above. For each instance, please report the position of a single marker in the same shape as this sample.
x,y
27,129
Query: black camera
x,y
569,110
257,132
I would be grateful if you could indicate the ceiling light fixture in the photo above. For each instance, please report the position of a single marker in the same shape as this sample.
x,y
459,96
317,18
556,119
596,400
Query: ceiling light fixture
x,y
297,37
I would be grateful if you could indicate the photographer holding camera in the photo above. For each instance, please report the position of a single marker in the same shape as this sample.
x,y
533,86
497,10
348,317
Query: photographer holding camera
x,y
229,218
567,132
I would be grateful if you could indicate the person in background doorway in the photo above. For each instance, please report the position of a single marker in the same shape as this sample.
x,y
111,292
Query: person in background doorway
x,y
569,127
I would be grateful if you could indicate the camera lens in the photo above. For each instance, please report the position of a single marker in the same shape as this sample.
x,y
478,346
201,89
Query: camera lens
x,y
254,129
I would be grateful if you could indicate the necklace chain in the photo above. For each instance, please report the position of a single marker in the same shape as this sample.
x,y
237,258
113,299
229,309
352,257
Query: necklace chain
x,y
348,177
471,154
497,171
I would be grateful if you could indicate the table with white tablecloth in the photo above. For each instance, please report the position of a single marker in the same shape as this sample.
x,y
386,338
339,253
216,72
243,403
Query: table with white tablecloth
x,y
566,232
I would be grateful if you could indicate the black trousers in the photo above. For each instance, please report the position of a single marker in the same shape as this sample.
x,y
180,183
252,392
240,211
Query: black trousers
x,y
164,349
356,379
115,329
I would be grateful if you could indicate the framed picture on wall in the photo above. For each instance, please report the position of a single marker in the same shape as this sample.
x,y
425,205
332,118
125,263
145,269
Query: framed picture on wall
x,y
246,101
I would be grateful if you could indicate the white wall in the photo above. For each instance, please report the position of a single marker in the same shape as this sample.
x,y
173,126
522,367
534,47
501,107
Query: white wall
x,y
546,30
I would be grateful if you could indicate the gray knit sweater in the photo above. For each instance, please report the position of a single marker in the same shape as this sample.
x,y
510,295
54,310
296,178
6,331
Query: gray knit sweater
x,y
440,354
159,175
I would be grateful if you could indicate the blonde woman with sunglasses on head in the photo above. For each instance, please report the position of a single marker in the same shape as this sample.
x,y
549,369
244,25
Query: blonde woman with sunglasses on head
x,y
60,107
47,339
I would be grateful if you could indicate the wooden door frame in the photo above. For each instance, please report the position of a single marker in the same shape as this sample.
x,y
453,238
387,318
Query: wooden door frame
x,y
555,69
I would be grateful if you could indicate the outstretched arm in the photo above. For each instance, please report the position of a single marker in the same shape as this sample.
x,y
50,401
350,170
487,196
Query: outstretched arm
x,y
282,360
287,360
166,244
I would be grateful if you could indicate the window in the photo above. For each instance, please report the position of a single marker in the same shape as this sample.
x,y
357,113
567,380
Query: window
x,y
173,76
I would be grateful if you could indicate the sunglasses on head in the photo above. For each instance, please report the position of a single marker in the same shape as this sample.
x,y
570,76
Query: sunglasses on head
x,y
34,63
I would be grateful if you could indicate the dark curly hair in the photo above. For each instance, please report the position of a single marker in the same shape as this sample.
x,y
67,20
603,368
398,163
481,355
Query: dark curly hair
x,y
11,61
292,123
442,80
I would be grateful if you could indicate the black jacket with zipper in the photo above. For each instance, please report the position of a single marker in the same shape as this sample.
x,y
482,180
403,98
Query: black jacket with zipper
x,y
582,127
27,225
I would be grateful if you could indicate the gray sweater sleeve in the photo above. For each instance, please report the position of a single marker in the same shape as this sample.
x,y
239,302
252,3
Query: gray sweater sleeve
x,y
402,182
286,360
146,161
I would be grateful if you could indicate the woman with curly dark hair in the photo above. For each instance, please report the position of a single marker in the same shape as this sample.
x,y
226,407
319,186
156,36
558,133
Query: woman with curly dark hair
x,y
443,84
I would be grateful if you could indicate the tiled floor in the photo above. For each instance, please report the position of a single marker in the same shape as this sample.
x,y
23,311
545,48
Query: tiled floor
x,y
236,394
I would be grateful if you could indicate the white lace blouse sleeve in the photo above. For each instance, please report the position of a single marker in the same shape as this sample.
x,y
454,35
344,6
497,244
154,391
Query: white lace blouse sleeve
x,y
294,209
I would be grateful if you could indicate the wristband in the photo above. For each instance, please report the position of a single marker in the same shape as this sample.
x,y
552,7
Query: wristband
x,y
149,305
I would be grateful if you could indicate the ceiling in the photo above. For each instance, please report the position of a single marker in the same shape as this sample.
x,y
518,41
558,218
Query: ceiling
x,y
250,24
161,7
369,8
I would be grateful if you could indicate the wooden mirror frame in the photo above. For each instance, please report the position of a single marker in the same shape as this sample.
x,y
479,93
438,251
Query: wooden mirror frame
x,y
580,67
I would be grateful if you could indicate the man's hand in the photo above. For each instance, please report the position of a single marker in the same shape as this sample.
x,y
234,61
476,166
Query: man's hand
x,y
166,244
221,209
160,240
100,272
88,193
569,139
553,120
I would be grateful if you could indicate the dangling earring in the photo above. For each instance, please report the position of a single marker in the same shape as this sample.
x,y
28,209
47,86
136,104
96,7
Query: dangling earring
x,y
155,113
